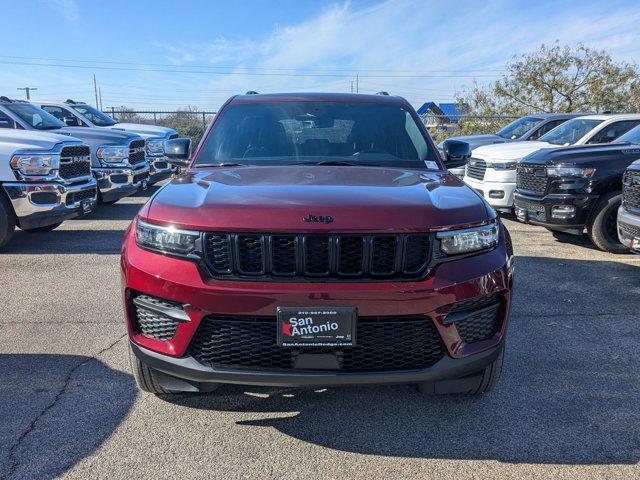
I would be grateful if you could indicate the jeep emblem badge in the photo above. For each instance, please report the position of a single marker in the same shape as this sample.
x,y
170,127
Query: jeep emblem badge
x,y
318,218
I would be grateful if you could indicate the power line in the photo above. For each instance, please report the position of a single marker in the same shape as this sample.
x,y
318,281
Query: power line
x,y
258,74
219,67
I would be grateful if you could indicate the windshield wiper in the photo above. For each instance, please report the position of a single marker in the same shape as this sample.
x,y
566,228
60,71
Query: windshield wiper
x,y
337,163
230,164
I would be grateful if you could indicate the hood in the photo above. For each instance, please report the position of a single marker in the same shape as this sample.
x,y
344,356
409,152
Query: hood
x,y
277,199
479,140
586,154
12,140
509,151
95,136
145,131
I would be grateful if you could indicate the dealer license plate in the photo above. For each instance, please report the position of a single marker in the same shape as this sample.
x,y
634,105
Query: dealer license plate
x,y
316,327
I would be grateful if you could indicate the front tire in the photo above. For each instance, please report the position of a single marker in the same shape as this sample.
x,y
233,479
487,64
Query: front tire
x,y
602,229
7,221
146,377
45,229
472,386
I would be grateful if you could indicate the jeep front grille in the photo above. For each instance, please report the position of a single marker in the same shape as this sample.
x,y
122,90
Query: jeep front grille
x,y
532,178
476,168
383,344
75,162
334,256
631,190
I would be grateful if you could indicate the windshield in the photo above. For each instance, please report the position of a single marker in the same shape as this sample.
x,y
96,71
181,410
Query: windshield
x,y
94,115
518,128
34,116
570,132
632,136
287,133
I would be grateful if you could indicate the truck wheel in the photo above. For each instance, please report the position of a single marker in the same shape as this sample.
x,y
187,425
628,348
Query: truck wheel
x,y
472,386
48,228
602,228
145,377
7,221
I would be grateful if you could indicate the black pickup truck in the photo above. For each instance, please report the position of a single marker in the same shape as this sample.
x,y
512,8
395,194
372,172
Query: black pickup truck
x,y
572,189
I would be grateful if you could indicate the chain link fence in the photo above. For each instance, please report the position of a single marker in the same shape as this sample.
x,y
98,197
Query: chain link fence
x,y
187,122
442,127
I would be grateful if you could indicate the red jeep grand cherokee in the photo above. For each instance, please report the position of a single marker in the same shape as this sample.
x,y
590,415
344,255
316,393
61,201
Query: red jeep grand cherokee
x,y
317,239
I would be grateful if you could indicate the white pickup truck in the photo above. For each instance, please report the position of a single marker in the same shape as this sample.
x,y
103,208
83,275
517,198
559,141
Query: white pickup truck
x,y
491,171
79,114
45,178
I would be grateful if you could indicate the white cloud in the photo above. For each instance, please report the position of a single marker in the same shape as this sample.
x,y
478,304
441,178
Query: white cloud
x,y
67,8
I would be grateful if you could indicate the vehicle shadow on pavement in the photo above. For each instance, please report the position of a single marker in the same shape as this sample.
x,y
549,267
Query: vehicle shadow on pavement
x,y
65,242
56,410
116,211
569,393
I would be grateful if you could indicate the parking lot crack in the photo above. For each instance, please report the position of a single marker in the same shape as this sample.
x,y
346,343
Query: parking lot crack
x,y
13,462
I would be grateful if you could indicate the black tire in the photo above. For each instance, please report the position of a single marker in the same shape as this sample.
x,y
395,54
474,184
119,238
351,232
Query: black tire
x,y
7,221
145,377
48,228
472,386
602,228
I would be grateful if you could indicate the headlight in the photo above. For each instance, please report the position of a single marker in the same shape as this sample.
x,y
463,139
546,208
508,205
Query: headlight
x,y
570,171
155,147
113,153
456,242
503,165
166,239
35,164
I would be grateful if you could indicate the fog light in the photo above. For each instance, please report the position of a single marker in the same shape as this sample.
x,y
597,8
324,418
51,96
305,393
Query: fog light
x,y
563,211
496,193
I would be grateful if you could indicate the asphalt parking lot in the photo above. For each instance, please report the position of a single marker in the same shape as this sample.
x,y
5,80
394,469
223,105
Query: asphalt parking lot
x,y
567,405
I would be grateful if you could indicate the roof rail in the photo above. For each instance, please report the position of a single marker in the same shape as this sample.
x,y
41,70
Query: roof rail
x,y
251,92
383,93
70,102
5,99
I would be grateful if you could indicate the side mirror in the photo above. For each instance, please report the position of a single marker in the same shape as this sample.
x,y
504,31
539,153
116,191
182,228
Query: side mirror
x,y
456,153
177,150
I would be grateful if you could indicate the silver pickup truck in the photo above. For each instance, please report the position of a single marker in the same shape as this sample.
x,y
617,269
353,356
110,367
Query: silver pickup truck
x,y
45,178
118,159
79,114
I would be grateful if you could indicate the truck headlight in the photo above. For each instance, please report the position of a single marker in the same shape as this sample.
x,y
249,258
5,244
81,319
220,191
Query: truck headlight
x,y
35,164
166,239
113,153
155,147
456,242
570,171
503,165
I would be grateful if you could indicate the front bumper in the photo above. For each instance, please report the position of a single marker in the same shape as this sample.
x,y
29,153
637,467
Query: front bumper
x,y
159,169
115,183
629,229
540,210
181,281
497,194
42,204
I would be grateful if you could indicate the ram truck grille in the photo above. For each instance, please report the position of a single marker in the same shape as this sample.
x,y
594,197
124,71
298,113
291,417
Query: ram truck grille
x,y
383,344
631,190
75,162
333,256
531,178
476,168
137,153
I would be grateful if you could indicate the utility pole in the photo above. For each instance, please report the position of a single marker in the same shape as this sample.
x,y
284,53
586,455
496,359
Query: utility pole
x,y
95,89
357,83
351,86
27,90
100,97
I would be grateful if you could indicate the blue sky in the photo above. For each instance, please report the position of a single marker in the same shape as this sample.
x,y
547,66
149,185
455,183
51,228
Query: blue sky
x,y
167,54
